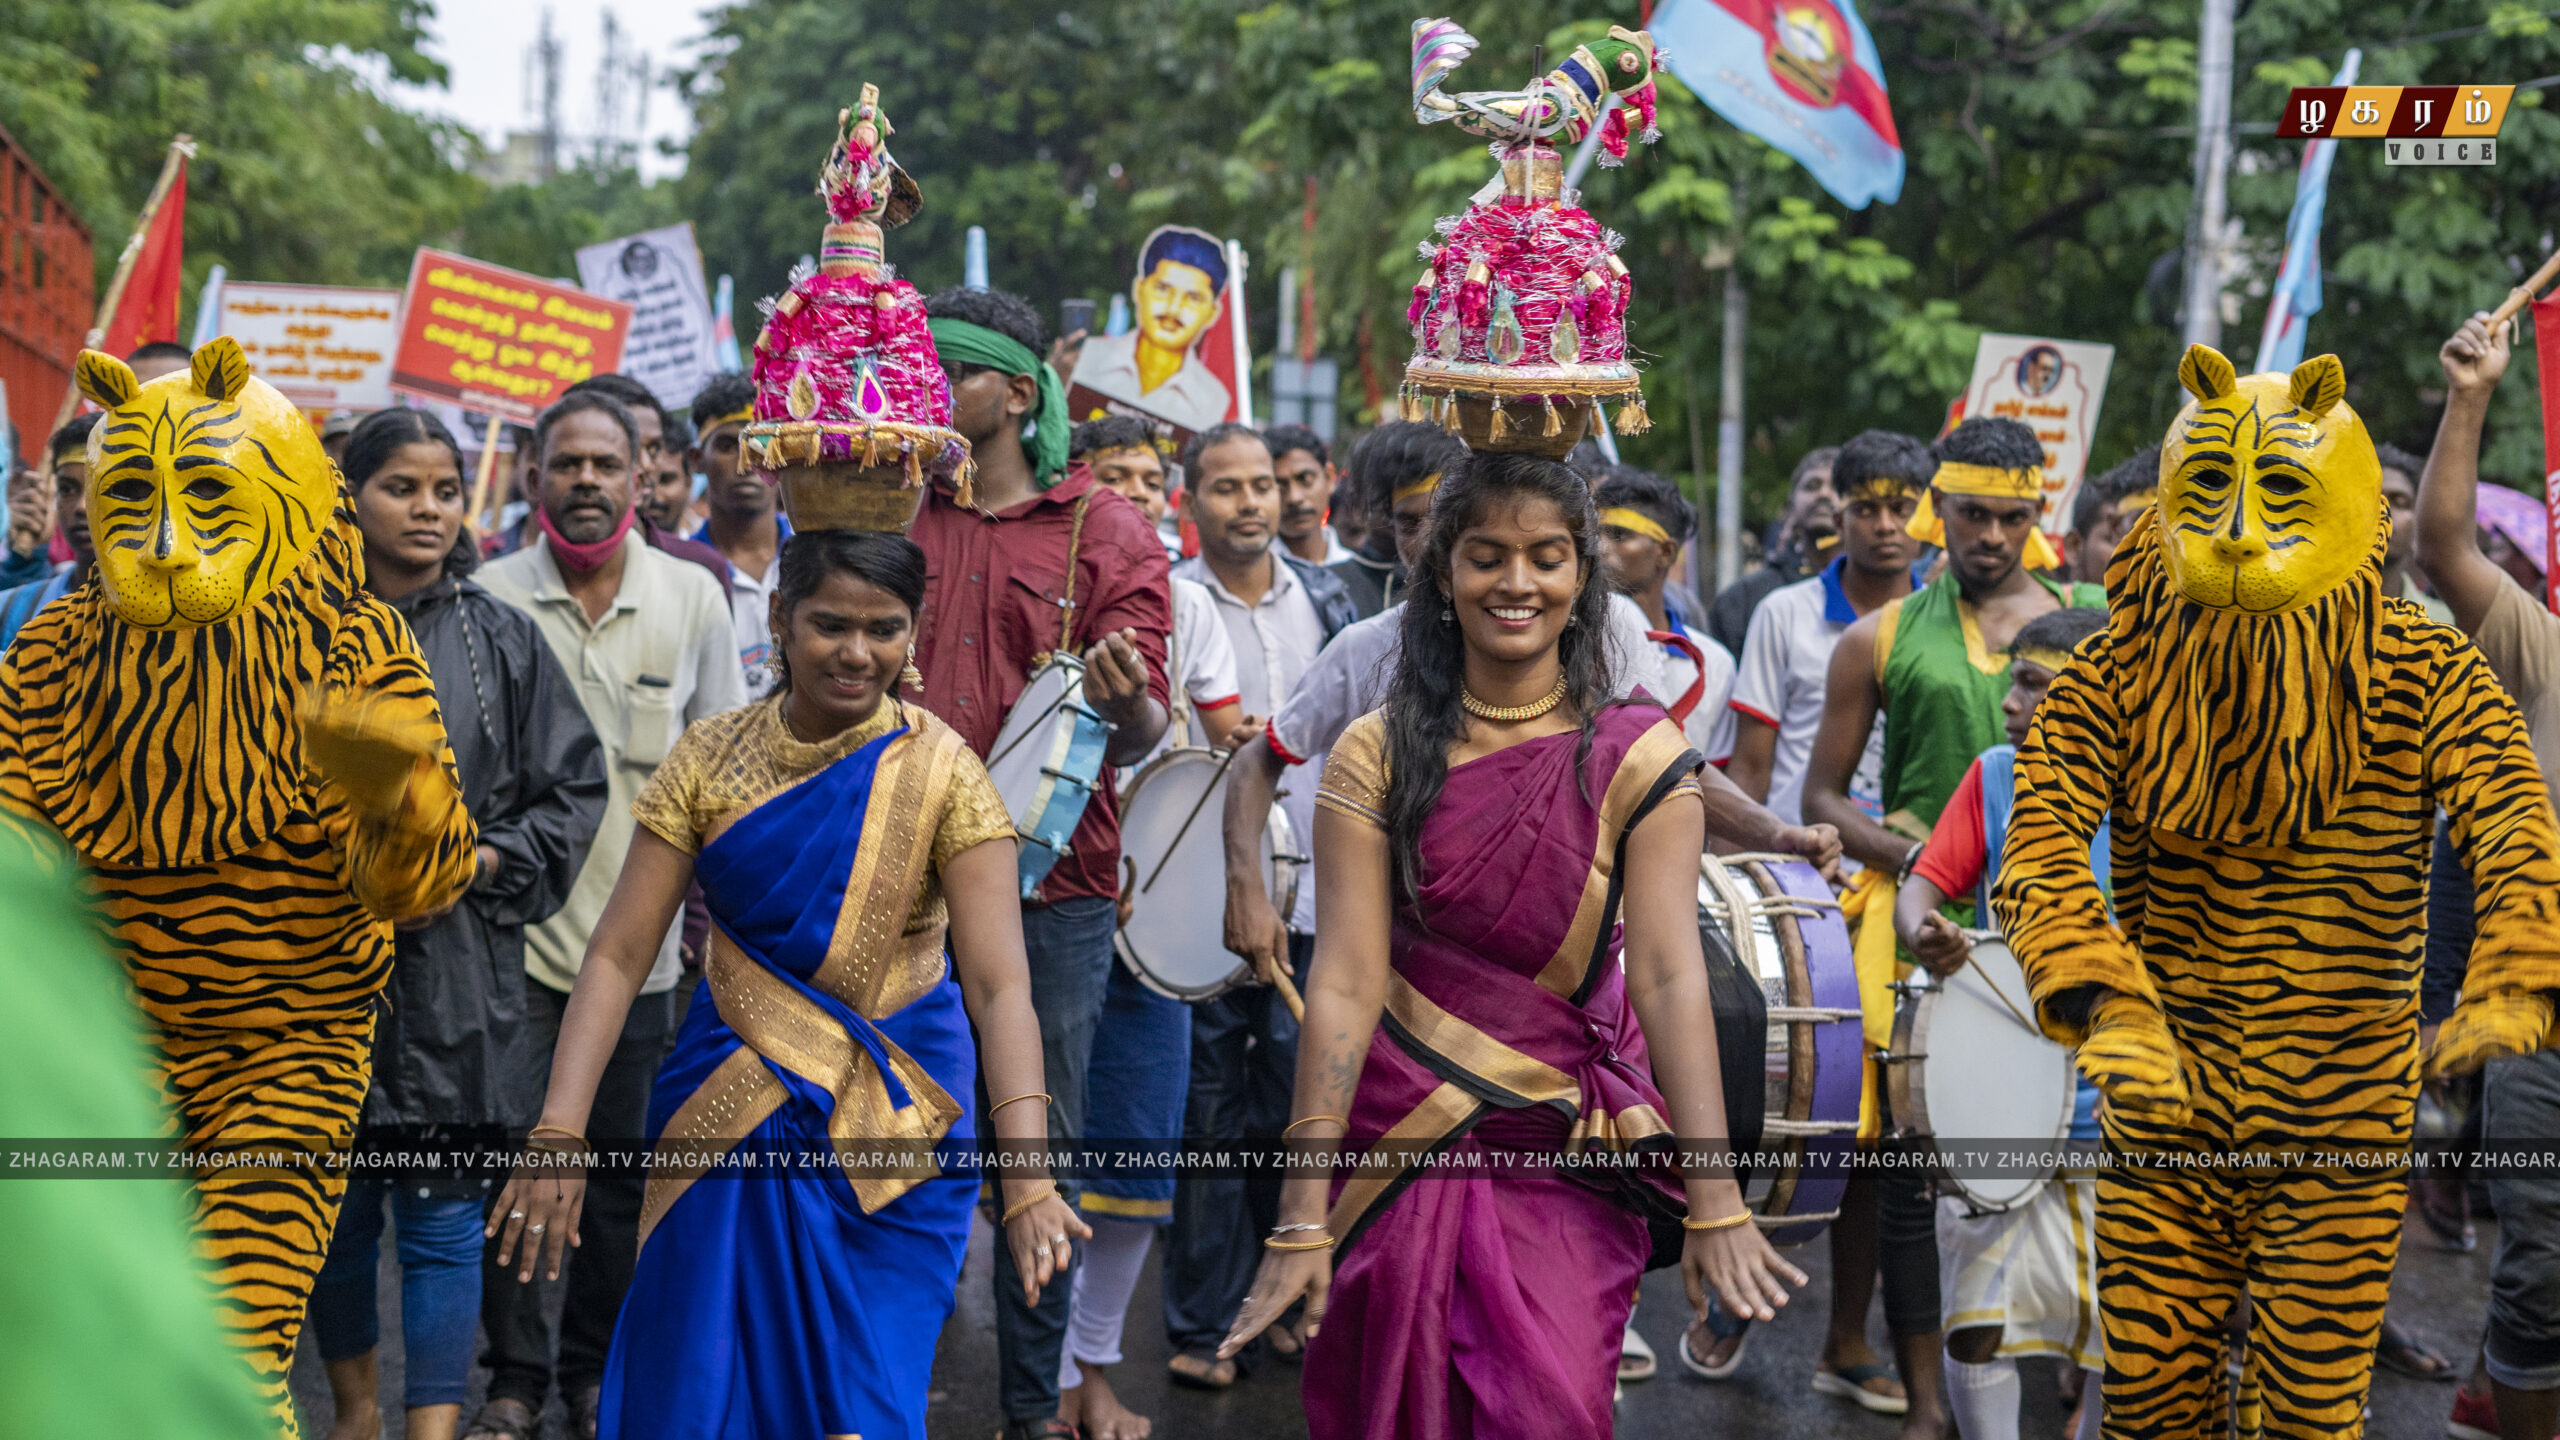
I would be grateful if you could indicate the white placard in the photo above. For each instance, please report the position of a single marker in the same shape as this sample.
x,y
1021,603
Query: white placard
x,y
326,347
659,274
2053,386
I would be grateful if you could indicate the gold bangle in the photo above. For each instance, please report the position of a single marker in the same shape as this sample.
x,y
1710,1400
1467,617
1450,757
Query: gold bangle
x,y
562,1130
1040,1095
1047,1189
1276,1243
1727,1223
1310,1120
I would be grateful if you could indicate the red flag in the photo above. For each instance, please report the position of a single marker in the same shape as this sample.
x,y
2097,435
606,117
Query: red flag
x,y
2546,347
148,308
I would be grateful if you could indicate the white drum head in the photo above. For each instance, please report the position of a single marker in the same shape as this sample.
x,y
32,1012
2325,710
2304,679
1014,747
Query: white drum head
x,y
1990,1081
1034,738
1174,873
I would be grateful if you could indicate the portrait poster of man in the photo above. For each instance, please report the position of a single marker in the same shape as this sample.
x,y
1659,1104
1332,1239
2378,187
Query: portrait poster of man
x,y
2055,386
1168,367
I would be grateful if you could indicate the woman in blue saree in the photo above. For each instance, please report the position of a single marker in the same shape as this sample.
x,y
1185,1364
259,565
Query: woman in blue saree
x,y
836,833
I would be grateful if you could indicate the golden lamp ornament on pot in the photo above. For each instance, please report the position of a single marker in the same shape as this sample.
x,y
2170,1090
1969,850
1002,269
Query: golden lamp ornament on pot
x,y
2270,490
206,487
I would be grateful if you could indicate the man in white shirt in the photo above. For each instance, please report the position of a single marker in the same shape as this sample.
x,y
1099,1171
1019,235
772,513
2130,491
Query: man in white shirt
x,y
1786,658
1643,523
1278,611
1182,276
646,639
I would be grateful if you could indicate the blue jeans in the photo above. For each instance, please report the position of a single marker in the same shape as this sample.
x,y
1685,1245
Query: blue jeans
x,y
1069,947
439,1244
1244,1070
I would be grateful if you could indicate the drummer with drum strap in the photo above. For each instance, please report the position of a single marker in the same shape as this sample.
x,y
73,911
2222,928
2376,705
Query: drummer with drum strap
x,y
2018,1280
1046,561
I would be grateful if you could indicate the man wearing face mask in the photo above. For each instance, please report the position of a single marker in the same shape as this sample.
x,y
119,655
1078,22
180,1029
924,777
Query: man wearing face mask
x,y
648,641
242,749
1935,665
2268,739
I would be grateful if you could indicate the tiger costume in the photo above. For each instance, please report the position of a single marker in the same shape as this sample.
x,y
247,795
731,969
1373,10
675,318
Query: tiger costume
x,y
243,749
2273,737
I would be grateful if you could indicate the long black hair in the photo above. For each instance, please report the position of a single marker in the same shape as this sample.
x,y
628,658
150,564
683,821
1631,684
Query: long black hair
x,y
887,560
1423,715
385,433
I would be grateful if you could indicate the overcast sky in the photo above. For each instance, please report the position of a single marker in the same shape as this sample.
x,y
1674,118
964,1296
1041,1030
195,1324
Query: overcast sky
x,y
484,44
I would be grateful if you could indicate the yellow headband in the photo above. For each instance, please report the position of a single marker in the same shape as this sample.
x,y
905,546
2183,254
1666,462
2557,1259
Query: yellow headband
x,y
739,416
2052,660
1423,486
1097,457
1642,524
1987,482
2134,503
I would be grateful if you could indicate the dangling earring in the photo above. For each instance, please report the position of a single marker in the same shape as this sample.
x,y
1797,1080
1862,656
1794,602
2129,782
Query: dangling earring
x,y
1447,614
912,677
1031,427
1572,620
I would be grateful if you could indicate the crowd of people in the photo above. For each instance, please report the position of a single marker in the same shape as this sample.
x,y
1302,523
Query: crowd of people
x,y
605,809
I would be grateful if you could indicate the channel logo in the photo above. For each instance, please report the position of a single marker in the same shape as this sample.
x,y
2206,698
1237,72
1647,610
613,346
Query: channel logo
x,y
2418,124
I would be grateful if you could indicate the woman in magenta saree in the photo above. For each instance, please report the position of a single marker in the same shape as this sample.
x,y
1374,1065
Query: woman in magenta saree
x,y
1471,1043
836,833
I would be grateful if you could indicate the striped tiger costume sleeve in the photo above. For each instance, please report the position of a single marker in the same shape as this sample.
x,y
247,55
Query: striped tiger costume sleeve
x,y
2270,766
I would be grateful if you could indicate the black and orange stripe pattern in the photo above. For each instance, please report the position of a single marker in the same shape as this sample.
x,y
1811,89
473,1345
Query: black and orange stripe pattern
x,y
251,904
2273,781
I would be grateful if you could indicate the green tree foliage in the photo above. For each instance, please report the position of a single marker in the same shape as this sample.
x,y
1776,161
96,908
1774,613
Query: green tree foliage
x,y
2050,177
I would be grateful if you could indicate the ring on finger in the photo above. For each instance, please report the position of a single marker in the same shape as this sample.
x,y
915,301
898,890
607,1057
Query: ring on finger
x,y
515,1214
535,1229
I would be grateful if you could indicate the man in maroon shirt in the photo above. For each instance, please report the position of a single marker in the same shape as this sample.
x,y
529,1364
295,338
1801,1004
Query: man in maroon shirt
x,y
1043,548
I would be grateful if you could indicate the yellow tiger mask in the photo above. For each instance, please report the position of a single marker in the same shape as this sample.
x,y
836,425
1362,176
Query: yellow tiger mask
x,y
206,487
2270,490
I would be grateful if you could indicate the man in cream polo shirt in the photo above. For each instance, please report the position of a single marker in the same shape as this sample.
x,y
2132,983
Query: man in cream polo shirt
x,y
648,641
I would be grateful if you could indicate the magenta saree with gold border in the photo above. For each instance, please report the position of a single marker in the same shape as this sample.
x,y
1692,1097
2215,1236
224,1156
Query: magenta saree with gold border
x,y
1482,1294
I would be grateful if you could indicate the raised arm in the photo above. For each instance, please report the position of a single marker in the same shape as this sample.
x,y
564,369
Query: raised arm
x,y
1667,985
2448,495
1851,698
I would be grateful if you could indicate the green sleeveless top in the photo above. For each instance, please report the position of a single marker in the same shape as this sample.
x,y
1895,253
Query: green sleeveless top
x,y
1942,691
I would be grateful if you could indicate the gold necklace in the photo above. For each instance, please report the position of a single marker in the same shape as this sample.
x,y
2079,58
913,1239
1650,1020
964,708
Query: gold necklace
x,y
1530,711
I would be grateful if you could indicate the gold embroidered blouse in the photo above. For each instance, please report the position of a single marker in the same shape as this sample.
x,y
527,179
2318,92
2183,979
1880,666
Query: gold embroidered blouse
x,y
727,764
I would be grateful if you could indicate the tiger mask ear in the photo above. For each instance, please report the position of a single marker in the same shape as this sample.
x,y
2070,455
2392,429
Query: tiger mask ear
x,y
2206,374
107,381
221,371
2319,383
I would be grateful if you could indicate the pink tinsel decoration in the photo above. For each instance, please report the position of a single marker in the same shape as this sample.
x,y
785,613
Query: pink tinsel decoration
x,y
838,323
1539,251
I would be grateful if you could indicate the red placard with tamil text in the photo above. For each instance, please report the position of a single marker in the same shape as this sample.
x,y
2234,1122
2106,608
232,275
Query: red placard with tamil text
x,y
500,340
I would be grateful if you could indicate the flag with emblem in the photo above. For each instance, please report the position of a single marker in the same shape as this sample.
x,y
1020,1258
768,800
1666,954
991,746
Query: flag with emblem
x,y
1801,74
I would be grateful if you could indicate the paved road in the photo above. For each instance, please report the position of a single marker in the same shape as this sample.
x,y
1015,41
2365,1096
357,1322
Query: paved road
x,y
2439,1296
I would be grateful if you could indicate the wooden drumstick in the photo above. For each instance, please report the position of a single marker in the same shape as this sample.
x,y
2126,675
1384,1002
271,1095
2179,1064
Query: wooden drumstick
x,y
1289,992
2517,297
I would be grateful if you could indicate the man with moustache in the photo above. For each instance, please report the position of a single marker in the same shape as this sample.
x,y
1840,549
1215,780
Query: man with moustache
x,y
1935,665
649,477
1303,465
646,639
1182,277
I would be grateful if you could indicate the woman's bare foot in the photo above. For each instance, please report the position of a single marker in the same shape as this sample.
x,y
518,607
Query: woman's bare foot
x,y
1105,1418
1202,1370
1284,1340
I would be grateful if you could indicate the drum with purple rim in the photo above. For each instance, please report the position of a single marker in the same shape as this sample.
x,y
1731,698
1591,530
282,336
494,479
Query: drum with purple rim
x,y
1779,917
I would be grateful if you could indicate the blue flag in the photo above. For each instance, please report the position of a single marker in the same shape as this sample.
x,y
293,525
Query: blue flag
x,y
1803,75
2296,297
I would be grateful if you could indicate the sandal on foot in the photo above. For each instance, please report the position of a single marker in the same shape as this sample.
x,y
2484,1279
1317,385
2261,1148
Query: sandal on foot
x,y
1208,1356
503,1418
1635,1358
2399,1351
1723,1327
1047,1427
1849,1382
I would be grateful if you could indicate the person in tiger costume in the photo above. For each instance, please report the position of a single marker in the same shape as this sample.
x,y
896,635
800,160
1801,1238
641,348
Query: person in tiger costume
x,y
242,749
2273,737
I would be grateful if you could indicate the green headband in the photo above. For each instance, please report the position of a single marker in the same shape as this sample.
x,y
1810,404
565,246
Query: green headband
x,y
1044,431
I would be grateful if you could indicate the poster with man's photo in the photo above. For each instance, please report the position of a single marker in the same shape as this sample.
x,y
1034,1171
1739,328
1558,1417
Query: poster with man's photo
x,y
1176,364
2054,387
659,275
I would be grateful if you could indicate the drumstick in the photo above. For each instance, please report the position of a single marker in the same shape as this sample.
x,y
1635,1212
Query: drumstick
x,y
1976,937
1225,759
1289,992
2517,297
